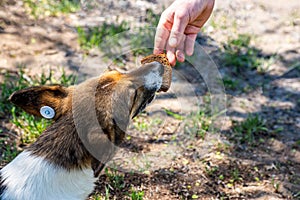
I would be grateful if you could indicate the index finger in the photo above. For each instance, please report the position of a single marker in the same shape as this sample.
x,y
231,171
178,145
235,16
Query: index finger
x,y
179,25
161,37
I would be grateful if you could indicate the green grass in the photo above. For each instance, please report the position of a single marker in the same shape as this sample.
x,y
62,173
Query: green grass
x,y
235,175
239,54
31,127
174,115
116,183
226,174
97,197
230,83
211,170
44,8
116,180
275,184
101,196
142,42
250,130
104,37
136,195
197,124
92,37
9,152
143,124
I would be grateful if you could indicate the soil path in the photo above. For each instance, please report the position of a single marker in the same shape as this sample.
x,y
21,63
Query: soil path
x,y
214,168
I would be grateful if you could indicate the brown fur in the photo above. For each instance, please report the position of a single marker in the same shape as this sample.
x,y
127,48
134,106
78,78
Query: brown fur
x,y
31,99
117,98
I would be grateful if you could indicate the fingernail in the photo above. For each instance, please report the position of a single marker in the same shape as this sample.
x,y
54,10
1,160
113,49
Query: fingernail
x,y
157,51
173,42
171,58
180,57
189,53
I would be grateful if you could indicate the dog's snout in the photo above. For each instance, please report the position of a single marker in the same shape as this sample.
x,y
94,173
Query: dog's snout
x,y
148,76
156,67
153,77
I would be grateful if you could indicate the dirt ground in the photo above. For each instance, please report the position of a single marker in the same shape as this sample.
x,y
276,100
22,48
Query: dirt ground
x,y
217,167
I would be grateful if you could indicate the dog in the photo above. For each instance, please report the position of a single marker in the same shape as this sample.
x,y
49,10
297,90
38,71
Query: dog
x,y
66,159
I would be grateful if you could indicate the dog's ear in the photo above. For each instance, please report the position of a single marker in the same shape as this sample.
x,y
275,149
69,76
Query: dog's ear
x,y
44,101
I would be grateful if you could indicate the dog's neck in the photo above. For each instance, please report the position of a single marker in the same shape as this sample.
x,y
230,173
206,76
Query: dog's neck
x,y
61,145
56,162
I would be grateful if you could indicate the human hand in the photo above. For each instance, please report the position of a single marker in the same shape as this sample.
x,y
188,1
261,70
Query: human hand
x,y
178,27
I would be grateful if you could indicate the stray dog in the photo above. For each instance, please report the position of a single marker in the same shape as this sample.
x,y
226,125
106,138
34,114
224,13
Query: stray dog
x,y
58,166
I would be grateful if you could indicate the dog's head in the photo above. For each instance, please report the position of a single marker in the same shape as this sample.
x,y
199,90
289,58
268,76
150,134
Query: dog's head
x,y
98,105
113,91
114,97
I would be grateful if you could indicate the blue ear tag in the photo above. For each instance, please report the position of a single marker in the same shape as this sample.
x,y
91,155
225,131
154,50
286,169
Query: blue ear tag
x,y
47,112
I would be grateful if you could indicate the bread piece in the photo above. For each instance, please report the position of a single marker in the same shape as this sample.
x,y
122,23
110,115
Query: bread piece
x,y
167,77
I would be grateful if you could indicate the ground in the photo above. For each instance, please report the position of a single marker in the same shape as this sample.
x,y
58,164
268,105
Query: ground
x,y
254,153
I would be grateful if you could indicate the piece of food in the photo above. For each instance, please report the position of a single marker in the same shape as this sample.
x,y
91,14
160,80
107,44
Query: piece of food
x,y
167,77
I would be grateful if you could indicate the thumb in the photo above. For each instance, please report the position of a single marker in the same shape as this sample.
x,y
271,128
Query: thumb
x,y
177,31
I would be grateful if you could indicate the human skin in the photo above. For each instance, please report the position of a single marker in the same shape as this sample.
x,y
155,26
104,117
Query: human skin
x,y
178,27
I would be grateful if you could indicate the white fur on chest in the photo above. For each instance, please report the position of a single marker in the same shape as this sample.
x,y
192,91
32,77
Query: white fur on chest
x,y
29,177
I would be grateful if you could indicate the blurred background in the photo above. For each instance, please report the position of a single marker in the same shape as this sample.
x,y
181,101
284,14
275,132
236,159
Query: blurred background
x,y
256,46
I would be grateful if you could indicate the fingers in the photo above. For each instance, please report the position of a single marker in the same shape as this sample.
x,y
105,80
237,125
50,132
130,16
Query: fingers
x,y
179,25
191,32
175,45
160,40
177,53
163,31
185,45
189,44
171,54
176,34
180,50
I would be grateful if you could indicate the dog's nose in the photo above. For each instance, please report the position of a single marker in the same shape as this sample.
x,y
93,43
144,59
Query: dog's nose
x,y
150,76
153,76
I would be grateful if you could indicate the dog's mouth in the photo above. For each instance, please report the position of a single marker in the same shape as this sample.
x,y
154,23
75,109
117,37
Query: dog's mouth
x,y
153,76
140,105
